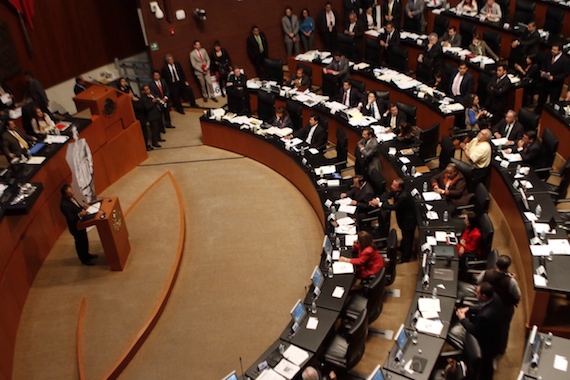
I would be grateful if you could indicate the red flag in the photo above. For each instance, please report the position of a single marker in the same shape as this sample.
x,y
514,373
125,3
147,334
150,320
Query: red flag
x,y
25,7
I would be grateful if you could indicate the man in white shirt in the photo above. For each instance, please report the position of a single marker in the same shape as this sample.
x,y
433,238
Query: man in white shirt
x,y
313,134
462,83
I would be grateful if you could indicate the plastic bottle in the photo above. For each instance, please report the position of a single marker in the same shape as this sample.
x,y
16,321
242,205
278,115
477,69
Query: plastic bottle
x,y
445,216
313,307
434,292
413,171
548,340
330,274
337,242
538,211
425,187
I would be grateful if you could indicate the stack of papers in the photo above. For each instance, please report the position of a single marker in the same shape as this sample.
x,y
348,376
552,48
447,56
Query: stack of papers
x,y
56,139
335,106
286,369
281,132
296,355
429,307
342,268
482,59
431,196
361,66
35,160
253,84
269,374
428,326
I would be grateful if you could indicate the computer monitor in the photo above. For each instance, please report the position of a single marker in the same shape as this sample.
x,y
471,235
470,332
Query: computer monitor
x,y
327,245
231,376
401,338
298,312
317,278
377,374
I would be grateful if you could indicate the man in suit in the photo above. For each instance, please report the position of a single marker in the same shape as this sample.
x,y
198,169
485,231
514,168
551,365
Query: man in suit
x,y
313,134
338,66
257,50
79,85
392,11
530,149
414,16
200,61
452,185
300,79
74,212
492,11
480,47
177,83
290,25
348,95
509,128
451,38
461,84
361,194
405,209
388,39
374,107
393,118
430,59
327,21
355,29
14,143
35,91
238,95
367,155
527,44
498,90
159,88
484,322
153,106
368,18
552,76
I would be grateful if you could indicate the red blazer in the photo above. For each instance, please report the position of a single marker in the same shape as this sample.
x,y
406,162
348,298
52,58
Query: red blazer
x,y
368,263
472,237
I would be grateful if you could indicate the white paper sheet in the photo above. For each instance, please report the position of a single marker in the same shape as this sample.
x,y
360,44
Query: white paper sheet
x,y
347,208
431,196
342,268
338,292
429,304
560,363
429,326
295,354
312,323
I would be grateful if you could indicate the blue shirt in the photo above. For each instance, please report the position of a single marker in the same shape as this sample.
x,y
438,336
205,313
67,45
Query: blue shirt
x,y
308,24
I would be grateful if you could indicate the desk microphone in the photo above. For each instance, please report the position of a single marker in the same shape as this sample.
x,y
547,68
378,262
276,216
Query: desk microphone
x,y
241,366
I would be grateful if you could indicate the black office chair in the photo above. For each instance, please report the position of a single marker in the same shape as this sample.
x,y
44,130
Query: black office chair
x,y
429,141
493,40
467,171
377,181
372,51
398,59
467,30
466,287
341,148
266,106
238,101
440,25
331,85
359,85
480,200
409,110
295,110
371,298
344,44
524,11
447,151
487,233
384,98
505,8
553,22
549,149
529,119
346,349
273,70
468,360
392,256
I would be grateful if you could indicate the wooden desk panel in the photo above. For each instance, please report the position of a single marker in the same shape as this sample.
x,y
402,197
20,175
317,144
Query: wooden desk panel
x,y
558,127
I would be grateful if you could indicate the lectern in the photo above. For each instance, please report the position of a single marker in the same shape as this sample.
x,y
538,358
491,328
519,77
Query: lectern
x,y
113,232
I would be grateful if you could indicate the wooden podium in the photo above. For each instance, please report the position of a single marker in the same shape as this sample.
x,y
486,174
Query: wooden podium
x,y
113,232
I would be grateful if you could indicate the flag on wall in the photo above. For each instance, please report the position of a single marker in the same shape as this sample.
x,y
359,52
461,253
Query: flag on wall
x,y
26,8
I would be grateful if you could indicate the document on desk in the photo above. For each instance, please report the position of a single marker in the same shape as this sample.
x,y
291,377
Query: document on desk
x,y
499,142
342,268
94,208
429,305
441,236
345,230
349,240
539,280
404,160
312,323
56,139
385,136
429,326
338,292
345,221
530,216
431,196
36,160
286,369
432,215
559,246
347,208
512,157
560,363
336,254
326,169
431,240
540,250
296,355
293,142
269,374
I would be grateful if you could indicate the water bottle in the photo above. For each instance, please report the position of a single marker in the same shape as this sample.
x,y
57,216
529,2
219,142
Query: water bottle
x,y
538,211
313,307
445,216
548,340
434,292
330,274
333,209
433,258
518,169
337,242
413,171
425,187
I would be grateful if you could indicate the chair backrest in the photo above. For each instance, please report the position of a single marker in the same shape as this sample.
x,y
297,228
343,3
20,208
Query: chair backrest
x,y
482,199
266,106
341,145
359,85
375,294
528,119
384,95
398,59
344,45
377,181
237,102
392,253
472,354
446,152
330,85
549,147
429,140
553,21
440,25
487,233
273,70
295,110
482,82
324,122
372,51
465,169
467,30
356,339
492,259
524,11
505,7
308,70
409,110
493,39
564,181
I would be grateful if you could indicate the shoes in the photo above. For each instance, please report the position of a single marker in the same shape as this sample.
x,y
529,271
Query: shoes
x,y
205,100
157,145
149,148
181,111
215,100
194,105
223,95
88,263
161,140
170,126
402,260
91,256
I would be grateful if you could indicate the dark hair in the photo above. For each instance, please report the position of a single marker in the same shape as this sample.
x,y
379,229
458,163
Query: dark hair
x,y
502,65
470,99
336,53
63,188
155,71
365,240
217,43
462,63
531,134
503,263
281,110
452,28
394,105
370,131
473,220
303,10
194,43
289,7
347,81
254,27
400,183
315,116
328,3
389,23
486,290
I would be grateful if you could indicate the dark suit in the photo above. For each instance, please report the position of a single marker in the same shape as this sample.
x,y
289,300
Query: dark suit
x,y
304,82
177,84
380,109
406,216
396,13
392,40
11,145
161,94
329,36
532,155
342,66
71,212
78,88
498,99
255,54
553,88
465,88
517,130
433,57
354,97
401,118
362,196
319,138
358,38
454,41
35,91
154,116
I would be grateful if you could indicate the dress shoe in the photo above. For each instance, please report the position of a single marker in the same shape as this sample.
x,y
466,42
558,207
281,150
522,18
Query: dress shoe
x,y
181,111
88,263
194,105
92,256
149,148
205,100
215,100
170,126
161,140
157,145
402,260
223,95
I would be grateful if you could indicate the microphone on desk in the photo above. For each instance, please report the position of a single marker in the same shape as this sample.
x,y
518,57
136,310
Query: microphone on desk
x,y
241,366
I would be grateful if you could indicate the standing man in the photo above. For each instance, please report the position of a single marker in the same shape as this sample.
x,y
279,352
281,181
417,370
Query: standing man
x,y
80,85
552,76
505,285
355,29
327,21
200,61
367,156
388,39
431,58
153,110
238,95
161,91
392,11
498,89
74,213
177,83
462,83
290,24
257,50
414,18
339,66
35,91
527,44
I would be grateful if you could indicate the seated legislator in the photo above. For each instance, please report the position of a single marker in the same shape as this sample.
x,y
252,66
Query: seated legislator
x,y
367,156
348,95
15,144
477,152
509,128
451,38
461,83
480,47
368,17
374,107
388,39
282,118
361,193
369,261
393,118
300,79
42,124
313,134
452,185
338,66
468,7
492,11
530,149
408,133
